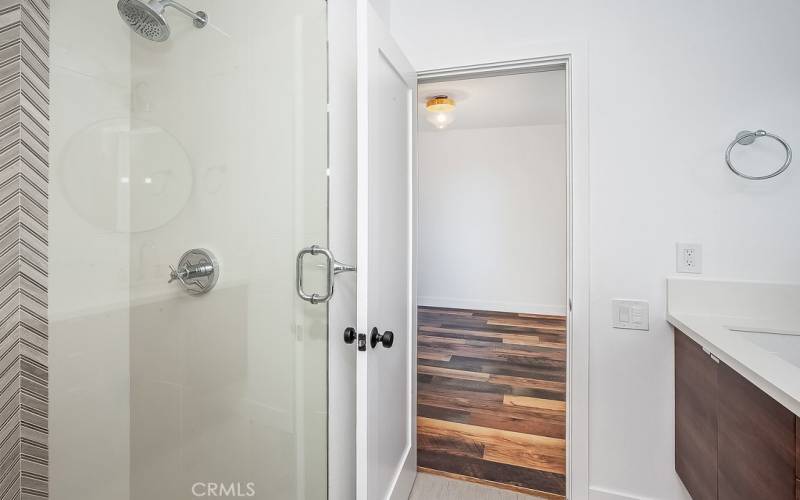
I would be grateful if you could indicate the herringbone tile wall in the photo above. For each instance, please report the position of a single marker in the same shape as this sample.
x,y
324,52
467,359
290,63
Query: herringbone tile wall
x,y
23,248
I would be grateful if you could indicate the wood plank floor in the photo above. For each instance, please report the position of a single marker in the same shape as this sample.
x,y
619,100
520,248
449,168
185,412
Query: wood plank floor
x,y
491,398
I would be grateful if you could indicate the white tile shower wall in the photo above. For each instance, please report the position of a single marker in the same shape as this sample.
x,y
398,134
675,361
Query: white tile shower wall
x,y
89,285
493,219
670,85
229,386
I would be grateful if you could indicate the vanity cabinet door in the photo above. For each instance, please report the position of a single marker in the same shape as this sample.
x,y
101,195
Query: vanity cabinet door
x,y
696,418
756,442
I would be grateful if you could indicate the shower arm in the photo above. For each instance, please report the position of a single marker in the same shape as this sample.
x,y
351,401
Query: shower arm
x,y
200,18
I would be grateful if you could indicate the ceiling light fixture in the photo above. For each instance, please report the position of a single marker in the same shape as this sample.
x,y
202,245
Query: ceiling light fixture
x,y
440,104
440,108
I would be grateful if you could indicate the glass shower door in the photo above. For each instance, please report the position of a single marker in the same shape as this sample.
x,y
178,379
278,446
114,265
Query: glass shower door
x,y
214,139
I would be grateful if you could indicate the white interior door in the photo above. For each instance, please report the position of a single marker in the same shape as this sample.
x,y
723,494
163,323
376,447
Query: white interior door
x,y
386,376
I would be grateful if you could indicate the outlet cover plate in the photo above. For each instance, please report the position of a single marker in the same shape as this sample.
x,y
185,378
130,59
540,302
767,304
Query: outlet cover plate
x,y
631,314
689,258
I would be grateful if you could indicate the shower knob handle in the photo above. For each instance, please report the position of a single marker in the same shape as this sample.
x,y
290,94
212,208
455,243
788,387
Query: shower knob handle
x,y
197,271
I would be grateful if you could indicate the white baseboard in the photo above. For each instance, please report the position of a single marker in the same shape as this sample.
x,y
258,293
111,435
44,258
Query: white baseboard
x,y
488,305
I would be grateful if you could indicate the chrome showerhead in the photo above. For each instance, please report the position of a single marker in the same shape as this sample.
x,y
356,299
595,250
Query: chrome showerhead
x,y
146,17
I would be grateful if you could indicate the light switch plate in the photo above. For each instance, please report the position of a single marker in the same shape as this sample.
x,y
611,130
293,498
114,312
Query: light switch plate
x,y
689,258
631,314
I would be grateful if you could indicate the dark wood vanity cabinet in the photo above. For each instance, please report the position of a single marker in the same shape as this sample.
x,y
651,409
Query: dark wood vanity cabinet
x,y
732,440
756,441
695,418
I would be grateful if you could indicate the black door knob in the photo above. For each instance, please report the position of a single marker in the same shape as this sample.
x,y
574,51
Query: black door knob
x,y
349,335
386,339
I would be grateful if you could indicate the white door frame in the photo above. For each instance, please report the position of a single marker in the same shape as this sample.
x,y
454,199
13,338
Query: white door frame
x,y
342,199
572,58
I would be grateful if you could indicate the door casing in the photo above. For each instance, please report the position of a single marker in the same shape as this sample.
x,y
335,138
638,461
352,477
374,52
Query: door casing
x,y
572,55
572,58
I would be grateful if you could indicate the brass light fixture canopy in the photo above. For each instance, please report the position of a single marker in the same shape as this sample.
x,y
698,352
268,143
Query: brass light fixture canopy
x,y
440,104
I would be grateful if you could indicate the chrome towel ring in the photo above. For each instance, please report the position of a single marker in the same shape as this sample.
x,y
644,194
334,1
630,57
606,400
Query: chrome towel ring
x,y
746,138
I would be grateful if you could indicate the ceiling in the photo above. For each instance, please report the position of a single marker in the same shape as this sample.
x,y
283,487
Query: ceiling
x,y
501,101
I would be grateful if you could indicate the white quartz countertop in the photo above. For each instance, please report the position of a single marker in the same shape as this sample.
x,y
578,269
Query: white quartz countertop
x,y
724,316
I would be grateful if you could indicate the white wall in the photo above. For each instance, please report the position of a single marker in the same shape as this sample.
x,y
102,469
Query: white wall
x,y
670,85
383,8
493,219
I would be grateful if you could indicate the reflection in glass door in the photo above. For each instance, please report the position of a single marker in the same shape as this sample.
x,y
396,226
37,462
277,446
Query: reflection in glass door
x,y
187,132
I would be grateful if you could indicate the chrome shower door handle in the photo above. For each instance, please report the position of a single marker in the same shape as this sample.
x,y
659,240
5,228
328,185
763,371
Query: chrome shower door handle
x,y
315,298
332,266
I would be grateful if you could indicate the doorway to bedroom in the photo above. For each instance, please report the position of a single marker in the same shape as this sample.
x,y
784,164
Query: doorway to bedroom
x,y
492,280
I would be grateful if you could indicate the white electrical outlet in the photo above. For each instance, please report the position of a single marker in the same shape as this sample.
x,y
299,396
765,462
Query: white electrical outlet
x,y
630,314
690,258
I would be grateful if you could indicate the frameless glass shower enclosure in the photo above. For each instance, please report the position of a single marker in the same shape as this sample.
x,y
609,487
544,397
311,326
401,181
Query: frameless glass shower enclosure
x,y
189,158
